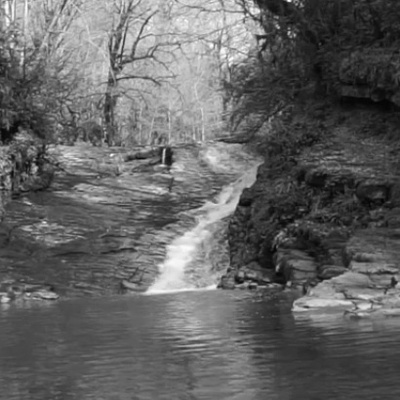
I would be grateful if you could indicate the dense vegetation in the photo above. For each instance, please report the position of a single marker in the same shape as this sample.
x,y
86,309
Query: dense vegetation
x,y
129,68
318,47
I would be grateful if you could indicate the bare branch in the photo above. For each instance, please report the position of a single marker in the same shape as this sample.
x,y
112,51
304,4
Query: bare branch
x,y
139,37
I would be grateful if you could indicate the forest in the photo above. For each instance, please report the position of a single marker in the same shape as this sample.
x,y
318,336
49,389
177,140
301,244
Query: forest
x,y
189,70
132,67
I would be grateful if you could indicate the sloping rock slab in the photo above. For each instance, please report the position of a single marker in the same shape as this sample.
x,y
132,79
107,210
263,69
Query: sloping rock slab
x,y
318,304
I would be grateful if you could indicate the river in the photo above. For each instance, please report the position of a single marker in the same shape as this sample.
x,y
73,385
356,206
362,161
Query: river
x,y
181,339
192,345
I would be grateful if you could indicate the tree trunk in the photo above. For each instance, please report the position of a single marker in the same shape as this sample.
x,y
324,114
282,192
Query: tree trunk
x,y
203,130
140,125
169,126
110,102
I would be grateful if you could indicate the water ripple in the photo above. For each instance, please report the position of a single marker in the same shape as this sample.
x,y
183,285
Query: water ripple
x,y
195,345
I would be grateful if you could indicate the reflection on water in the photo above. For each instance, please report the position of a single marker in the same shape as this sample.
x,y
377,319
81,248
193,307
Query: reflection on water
x,y
195,345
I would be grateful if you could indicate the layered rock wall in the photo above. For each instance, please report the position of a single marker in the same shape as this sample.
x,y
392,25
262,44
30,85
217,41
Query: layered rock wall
x,y
330,211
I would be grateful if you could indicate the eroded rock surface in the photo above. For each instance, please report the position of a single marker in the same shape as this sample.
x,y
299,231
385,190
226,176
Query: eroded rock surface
x,y
12,290
326,222
105,223
23,167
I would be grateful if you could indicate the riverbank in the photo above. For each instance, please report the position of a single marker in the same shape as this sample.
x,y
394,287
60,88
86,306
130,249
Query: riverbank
x,y
23,167
111,216
70,239
323,216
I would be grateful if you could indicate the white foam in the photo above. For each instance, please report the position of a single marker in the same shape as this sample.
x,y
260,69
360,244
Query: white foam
x,y
182,251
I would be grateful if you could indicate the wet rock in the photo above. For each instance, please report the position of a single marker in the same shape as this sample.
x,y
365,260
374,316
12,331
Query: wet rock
x,y
373,313
227,281
316,178
373,191
374,268
250,276
325,290
243,286
330,271
373,273
11,290
132,286
363,257
306,304
295,265
246,198
142,155
42,294
253,286
392,218
272,286
240,276
350,279
4,298
384,305
253,273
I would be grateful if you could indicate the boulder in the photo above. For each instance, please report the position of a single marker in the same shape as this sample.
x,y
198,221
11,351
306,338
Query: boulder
x,y
227,281
240,276
295,265
11,290
251,276
255,273
373,191
316,178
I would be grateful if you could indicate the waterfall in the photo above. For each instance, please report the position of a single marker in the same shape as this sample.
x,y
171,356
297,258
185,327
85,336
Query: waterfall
x,y
177,272
163,155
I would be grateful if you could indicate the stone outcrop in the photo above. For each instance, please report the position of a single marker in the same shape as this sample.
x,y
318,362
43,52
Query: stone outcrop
x,y
23,167
371,74
12,290
150,156
326,222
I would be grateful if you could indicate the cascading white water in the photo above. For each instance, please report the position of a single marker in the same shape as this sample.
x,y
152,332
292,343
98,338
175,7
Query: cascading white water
x,y
182,251
163,155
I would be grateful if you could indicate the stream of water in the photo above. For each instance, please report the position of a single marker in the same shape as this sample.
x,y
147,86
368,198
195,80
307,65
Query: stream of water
x,y
182,339
176,271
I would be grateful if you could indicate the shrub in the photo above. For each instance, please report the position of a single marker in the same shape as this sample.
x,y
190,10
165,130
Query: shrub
x,y
305,46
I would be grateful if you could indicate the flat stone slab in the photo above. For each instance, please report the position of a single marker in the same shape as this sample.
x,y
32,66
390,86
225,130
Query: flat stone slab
x,y
305,304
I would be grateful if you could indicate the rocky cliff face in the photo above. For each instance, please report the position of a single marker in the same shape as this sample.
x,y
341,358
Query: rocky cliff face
x,y
330,210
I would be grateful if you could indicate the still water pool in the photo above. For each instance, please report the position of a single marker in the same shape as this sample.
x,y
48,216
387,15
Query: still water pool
x,y
192,345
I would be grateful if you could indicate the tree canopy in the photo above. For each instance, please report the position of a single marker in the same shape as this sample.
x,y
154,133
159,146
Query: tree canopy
x,y
186,69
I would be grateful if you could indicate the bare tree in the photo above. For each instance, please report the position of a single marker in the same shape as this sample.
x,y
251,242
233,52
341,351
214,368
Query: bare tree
x,y
133,45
